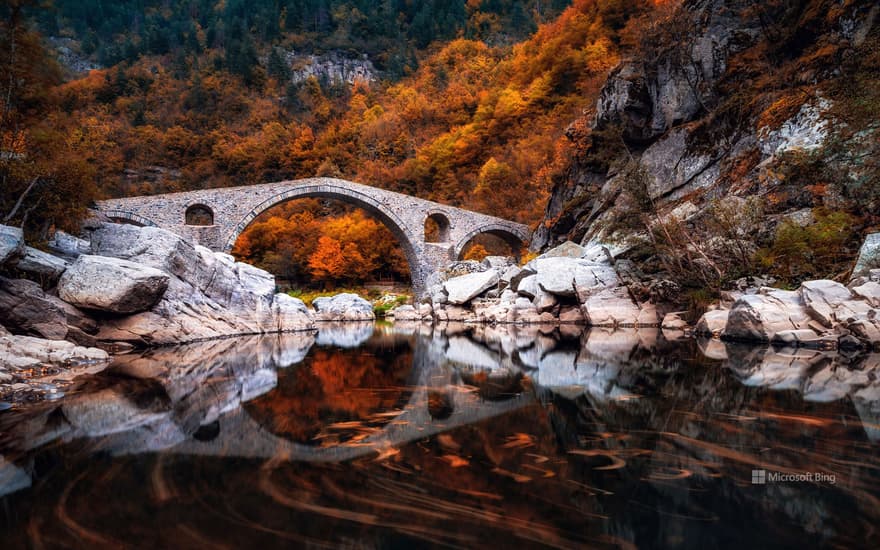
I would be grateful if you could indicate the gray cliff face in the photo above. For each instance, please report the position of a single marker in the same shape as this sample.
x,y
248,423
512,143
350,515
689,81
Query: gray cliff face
x,y
677,108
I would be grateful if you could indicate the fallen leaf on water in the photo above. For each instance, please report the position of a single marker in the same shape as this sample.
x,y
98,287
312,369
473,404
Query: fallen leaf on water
x,y
519,441
448,442
455,461
519,478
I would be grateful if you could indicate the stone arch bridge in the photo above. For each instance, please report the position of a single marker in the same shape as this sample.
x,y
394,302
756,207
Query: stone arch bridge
x,y
216,217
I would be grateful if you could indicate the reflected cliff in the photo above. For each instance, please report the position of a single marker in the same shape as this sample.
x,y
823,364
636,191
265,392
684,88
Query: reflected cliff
x,y
450,435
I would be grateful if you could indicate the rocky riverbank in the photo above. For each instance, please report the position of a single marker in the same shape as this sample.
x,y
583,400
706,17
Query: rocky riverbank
x,y
128,287
569,284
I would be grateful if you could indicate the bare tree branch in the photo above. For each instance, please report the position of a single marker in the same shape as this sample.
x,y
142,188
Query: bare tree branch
x,y
21,199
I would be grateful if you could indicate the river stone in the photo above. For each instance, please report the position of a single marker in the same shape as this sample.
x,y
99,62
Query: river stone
x,y
112,285
528,287
567,249
291,313
504,281
712,323
611,307
758,317
343,307
570,277
463,289
39,264
516,279
544,301
68,246
11,243
823,297
869,291
464,267
499,263
405,312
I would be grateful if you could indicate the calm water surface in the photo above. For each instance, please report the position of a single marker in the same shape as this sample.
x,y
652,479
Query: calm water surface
x,y
369,436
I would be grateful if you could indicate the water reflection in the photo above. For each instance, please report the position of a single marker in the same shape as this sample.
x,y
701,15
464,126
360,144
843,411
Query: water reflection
x,y
450,435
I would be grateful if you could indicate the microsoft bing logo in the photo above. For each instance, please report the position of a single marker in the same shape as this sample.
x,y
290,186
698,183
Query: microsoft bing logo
x,y
759,477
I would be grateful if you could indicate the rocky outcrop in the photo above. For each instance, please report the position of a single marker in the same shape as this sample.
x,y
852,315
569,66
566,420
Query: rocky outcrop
x,y
820,314
208,295
112,285
343,307
41,266
560,286
25,308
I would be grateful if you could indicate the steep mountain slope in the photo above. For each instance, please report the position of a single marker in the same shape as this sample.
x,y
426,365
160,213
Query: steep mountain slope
x,y
738,139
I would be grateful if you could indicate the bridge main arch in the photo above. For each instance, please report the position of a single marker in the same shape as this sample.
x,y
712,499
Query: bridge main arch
x,y
225,212
352,196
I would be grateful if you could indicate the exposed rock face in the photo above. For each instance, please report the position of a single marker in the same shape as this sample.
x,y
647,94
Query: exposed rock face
x,y
208,294
760,316
11,243
343,307
112,285
38,264
26,309
869,256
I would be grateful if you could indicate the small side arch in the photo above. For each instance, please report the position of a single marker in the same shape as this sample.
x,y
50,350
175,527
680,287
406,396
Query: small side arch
x,y
198,214
514,237
437,227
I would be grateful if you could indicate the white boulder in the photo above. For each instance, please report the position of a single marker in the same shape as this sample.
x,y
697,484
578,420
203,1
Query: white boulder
x,y
112,285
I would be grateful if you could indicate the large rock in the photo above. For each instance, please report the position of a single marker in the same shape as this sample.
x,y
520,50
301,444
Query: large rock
x,y
759,317
46,267
567,249
461,290
570,277
869,256
26,309
405,312
465,267
343,307
209,294
68,246
11,243
112,285
24,352
612,307
713,323
829,302
291,314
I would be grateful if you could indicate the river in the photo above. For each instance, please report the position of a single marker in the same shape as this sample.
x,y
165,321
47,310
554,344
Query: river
x,y
380,436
